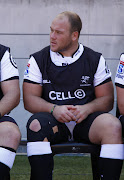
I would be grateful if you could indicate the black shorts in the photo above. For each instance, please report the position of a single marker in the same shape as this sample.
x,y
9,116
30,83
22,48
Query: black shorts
x,y
81,131
7,118
47,121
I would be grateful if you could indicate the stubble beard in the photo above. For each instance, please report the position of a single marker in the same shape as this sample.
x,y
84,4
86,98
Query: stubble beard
x,y
66,48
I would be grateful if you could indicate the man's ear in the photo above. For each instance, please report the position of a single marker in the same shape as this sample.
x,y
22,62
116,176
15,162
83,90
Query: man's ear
x,y
75,35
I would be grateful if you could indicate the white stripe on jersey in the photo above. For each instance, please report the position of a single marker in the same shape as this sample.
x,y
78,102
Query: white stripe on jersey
x,y
7,68
102,72
32,72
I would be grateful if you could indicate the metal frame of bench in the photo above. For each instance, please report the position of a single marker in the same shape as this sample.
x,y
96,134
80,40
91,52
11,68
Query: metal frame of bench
x,y
74,147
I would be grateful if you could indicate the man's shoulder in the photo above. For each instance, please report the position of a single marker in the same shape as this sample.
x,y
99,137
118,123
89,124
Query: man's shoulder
x,y
91,51
43,52
41,57
3,50
92,56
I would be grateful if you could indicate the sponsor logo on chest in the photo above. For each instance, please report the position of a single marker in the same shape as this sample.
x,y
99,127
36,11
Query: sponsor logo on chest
x,y
79,94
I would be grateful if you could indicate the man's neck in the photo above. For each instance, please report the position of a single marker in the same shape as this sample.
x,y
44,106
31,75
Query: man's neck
x,y
70,52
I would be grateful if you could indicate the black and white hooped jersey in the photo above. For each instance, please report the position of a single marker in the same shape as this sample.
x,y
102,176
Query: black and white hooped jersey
x,y
67,80
119,78
8,68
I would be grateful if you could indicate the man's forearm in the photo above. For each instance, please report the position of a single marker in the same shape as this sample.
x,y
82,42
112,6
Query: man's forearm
x,y
101,104
9,102
36,104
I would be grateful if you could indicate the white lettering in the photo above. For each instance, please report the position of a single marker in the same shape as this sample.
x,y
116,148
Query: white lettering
x,y
50,95
63,96
79,94
58,96
69,95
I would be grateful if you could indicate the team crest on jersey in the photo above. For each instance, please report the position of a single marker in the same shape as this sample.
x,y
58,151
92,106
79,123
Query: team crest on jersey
x,y
12,61
85,81
27,69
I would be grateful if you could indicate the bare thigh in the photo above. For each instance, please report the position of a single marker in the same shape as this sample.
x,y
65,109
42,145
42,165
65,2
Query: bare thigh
x,y
106,129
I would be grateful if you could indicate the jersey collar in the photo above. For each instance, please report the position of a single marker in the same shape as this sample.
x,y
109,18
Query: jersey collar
x,y
58,59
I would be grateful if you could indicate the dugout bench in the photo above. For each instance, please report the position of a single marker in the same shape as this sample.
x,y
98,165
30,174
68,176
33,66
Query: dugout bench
x,y
74,147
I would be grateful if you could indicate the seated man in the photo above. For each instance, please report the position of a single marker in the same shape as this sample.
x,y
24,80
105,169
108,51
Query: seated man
x,y
68,88
119,82
10,97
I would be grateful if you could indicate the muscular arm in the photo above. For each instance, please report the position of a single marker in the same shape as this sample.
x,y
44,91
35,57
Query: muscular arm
x,y
120,99
34,103
11,96
103,102
32,98
104,98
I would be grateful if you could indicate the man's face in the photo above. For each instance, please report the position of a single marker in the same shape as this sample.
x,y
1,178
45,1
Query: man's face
x,y
60,35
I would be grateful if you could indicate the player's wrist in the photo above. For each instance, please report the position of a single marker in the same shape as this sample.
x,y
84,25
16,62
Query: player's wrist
x,y
53,108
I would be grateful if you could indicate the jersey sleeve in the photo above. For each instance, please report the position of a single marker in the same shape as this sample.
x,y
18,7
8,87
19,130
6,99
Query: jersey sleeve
x,y
103,72
8,67
32,72
119,77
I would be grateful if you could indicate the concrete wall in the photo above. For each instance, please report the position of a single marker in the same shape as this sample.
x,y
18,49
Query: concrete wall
x,y
25,28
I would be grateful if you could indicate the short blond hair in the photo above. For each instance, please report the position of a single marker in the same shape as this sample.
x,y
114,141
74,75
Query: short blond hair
x,y
74,20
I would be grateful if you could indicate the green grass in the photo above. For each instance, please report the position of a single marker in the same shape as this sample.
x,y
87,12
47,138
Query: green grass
x,y
21,169
65,167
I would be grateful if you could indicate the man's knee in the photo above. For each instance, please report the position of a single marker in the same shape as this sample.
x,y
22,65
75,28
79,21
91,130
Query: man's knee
x,y
114,125
35,125
41,130
113,131
108,121
9,134
14,133
110,130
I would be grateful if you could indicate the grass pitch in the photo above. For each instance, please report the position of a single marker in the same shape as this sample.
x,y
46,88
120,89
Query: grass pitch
x,y
65,167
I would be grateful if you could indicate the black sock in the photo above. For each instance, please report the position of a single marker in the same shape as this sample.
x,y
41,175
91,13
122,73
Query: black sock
x,y
4,172
41,167
110,169
4,169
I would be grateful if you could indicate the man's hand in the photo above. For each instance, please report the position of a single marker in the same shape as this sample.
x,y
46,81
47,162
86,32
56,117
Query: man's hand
x,y
64,113
80,112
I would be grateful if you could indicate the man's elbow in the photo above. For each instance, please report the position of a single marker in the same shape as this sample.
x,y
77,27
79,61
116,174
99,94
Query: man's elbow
x,y
110,104
121,108
17,99
27,106
111,107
